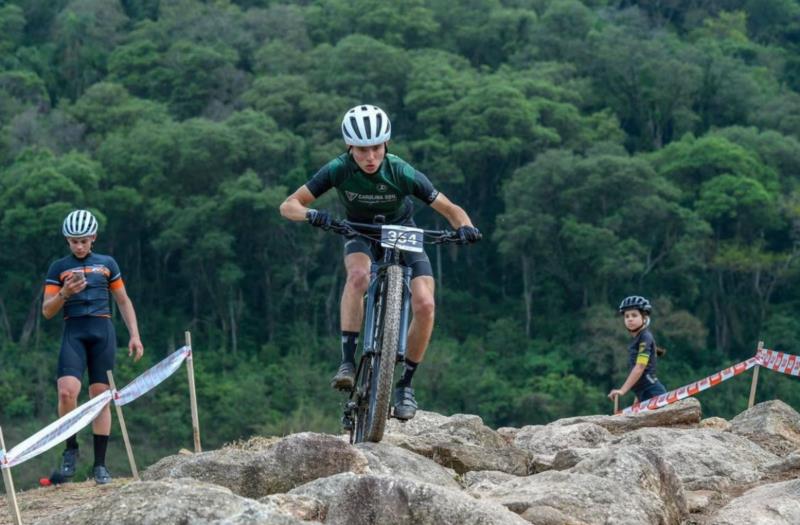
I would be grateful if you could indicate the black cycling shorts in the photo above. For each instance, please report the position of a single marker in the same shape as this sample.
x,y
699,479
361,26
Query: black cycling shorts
x,y
88,342
419,262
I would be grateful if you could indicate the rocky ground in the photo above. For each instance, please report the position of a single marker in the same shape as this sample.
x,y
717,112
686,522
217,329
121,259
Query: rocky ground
x,y
667,467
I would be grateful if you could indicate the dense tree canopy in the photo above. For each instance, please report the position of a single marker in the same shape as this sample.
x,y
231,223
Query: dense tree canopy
x,y
605,148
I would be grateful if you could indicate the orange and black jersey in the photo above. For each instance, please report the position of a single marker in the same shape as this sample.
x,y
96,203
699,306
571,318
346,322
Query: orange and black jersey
x,y
102,275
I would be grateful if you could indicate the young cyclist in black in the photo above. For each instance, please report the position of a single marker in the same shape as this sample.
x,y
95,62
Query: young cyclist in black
x,y
369,182
80,284
642,352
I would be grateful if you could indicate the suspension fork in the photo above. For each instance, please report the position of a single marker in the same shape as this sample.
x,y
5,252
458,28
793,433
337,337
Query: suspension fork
x,y
404,315
369,310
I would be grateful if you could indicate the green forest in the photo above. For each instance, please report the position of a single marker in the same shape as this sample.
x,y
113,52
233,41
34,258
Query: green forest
x,y
604,148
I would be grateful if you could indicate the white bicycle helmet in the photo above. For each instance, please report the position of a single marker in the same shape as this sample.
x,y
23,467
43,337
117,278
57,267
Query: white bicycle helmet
x,y
79,223
366,126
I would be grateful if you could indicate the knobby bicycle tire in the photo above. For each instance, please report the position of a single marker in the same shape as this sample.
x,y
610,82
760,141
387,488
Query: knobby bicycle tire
x,y
385,358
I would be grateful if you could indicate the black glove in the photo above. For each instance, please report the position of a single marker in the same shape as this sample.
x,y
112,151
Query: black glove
x,y
469,234
319,218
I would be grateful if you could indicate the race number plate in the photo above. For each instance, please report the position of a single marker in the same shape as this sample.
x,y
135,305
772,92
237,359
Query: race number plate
x,y
401,238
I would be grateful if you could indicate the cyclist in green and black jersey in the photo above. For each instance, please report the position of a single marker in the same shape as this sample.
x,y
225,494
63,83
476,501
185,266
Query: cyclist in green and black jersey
x,y
80,284
370,181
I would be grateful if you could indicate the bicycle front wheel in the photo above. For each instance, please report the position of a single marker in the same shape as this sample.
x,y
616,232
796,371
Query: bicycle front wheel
x,y
385,357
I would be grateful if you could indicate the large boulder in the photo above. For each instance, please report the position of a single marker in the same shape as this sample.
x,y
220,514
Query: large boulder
x,y
459,428
555,498
643,468
772,424
686,412
465,458
353,499
395,461
172,502
304,508
480,482
773,504
631,486
289,462
550,439
705,459
461,442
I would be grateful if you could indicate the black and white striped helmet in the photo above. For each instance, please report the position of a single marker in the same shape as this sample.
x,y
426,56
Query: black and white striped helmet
x,y
366,126
79,223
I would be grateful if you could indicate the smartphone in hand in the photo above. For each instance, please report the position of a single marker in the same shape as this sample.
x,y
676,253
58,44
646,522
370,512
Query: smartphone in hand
x,y
78,275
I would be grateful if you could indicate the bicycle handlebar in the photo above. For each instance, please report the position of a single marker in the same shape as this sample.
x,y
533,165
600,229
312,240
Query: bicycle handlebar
x,y
344,227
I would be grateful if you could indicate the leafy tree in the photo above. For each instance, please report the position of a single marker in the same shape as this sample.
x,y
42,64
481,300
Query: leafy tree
x,y
84,32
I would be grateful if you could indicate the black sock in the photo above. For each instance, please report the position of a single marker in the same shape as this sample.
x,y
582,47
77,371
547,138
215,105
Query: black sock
x,y
349,343
100,445
408,373
72,442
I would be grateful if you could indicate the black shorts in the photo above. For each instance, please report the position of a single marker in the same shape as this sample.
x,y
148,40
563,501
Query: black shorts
x,y
88,342
418,262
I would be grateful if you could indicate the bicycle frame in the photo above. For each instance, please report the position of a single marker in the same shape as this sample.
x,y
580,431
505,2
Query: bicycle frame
x,y
376,366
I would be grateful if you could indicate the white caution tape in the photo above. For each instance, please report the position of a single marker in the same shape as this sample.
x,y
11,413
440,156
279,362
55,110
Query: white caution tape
x,y
692,388
779,362
57,431
152,378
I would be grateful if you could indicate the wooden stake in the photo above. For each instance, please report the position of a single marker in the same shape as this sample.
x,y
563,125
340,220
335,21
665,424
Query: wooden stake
x,y
193,394
124,430
616,405
10,492
754,383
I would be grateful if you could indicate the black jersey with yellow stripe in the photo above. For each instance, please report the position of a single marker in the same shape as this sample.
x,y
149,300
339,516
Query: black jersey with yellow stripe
x,y
102,275
642,351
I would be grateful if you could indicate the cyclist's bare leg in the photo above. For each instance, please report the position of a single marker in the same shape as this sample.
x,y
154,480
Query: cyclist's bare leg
x,y
102,423
68,389
423,308
352,306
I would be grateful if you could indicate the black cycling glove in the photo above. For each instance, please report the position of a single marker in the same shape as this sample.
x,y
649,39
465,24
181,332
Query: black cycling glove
x,y
469,234
319,218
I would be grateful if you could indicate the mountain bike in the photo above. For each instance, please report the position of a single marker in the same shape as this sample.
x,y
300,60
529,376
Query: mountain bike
x,y
386,321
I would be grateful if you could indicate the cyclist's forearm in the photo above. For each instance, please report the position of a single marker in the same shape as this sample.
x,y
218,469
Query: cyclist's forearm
x,y
293,210
296,205
454,213
51,305
129,316
457,217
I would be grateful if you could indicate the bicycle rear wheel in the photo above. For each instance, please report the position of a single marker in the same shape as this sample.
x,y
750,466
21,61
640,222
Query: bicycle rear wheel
x,y
384,360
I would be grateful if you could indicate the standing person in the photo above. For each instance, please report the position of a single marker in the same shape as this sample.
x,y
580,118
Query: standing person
x,y
80,283
642,352
370,181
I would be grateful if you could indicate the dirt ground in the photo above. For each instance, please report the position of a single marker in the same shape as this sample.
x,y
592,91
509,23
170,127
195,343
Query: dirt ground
x,y
38,503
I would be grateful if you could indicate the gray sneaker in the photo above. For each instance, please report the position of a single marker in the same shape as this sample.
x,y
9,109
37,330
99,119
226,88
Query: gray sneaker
x,y
101,475
69,459
405,406
345,378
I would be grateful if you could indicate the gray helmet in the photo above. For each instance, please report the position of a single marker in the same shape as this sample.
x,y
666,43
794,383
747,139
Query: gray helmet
x,y
366,126
79,223
636,302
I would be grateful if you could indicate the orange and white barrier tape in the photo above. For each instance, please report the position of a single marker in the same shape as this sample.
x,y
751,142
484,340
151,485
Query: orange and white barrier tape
x,y
152,378
57,431
692,388
779,361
